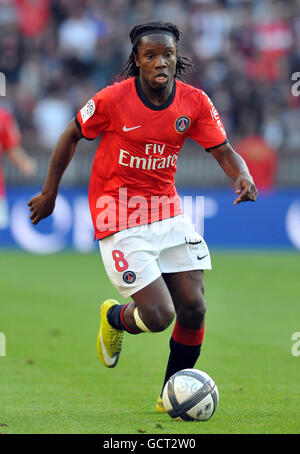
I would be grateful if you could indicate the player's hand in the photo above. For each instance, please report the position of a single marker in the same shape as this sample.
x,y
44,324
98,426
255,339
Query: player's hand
x,y
41,206
246,189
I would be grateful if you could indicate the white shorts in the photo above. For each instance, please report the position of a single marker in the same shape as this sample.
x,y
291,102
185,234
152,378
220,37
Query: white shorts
x,y
135,257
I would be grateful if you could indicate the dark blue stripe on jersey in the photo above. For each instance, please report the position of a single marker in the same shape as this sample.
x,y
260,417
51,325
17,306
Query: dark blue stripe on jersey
x,y
79,127
217,146
147,102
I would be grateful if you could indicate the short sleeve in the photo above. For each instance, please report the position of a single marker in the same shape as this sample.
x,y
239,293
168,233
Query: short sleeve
x,y
10,133
208,129
94,116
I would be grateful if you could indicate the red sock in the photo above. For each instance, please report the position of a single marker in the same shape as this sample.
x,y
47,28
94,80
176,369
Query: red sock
x,y
188,336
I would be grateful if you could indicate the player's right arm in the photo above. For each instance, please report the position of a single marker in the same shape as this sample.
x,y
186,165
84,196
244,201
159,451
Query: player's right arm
x,y
43,204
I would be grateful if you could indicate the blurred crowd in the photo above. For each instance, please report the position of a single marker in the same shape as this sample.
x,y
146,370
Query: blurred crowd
x,y
55,54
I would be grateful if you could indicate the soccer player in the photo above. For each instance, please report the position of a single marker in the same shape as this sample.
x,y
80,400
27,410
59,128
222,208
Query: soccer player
x,y
10,144
150,250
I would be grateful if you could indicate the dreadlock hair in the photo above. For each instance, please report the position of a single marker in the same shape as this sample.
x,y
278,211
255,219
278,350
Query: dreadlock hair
x,y
183,65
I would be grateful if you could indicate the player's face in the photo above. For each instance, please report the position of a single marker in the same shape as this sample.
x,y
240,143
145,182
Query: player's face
x,y
156,59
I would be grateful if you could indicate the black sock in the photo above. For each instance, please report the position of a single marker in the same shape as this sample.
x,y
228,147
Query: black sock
x,y
181,357
114,316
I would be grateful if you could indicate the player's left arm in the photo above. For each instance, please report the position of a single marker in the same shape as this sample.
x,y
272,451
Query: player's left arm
x,y
235,167
11,141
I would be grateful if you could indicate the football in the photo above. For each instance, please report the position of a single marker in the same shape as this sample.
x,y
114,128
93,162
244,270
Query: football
x,y
189,395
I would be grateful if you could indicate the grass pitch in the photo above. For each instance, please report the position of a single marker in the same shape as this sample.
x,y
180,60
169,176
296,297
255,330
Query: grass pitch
x,y
52,382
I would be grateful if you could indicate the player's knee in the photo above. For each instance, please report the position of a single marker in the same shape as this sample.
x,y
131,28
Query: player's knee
x,y
162,320
201,307
193,310
198,310
159,318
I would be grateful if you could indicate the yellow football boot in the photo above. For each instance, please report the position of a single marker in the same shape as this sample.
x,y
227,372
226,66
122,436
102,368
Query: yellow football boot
x,y
159,406
109,340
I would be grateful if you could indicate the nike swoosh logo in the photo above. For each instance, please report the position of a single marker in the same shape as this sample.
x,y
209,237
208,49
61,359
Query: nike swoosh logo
x,y
109,361
125,129
203,257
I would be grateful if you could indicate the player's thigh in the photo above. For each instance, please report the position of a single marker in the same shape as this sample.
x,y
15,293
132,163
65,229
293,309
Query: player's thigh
x,y
128,264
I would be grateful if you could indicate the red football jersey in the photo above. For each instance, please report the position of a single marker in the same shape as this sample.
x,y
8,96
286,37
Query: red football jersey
x,y
132,178
9,138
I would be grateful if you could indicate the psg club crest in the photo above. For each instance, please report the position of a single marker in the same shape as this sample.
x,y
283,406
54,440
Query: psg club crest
x,y
182,124
129,277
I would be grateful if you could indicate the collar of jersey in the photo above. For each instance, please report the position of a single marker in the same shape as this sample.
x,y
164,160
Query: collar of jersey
x,y
148,103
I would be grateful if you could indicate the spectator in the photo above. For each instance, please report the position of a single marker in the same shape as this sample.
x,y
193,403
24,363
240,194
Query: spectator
x,y
33,17
10,144
77,35
211,25
51,114
261,160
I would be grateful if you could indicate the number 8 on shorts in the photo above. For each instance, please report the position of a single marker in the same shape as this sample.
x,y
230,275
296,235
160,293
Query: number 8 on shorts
x,y
121,263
